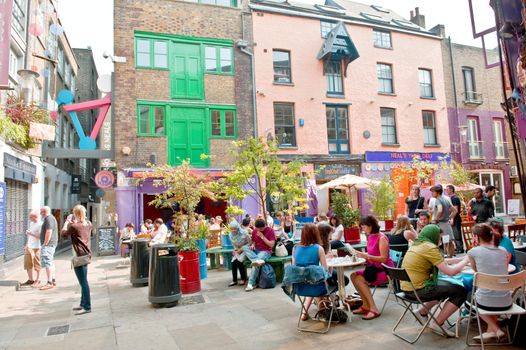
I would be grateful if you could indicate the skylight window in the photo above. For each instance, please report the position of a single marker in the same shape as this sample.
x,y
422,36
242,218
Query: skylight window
x,y
374,17
380,9
406,24
330,9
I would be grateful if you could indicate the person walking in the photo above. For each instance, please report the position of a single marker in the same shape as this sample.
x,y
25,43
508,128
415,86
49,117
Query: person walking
x,y
482,209
79,229
32,250
48,242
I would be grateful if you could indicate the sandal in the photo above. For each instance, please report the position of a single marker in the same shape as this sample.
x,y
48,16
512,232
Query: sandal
x,y
305,316
361,311
374,314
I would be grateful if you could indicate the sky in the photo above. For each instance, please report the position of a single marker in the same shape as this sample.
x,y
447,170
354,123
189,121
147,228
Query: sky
x,y
90,23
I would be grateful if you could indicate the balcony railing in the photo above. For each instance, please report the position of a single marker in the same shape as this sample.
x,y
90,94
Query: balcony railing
x,y
501,150
476,149
472,97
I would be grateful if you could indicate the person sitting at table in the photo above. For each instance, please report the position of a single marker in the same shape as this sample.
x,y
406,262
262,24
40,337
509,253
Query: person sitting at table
x,y
374,274
424,219
326,231
246,225
504,242
310,252
401,234
128,232
278,228
337,237
488,257
239,238
289,225
159,233
147,226
263,240
422,262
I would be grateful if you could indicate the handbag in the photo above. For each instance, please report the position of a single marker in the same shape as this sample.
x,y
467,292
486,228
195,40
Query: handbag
x,y
281,250
78,261
370,272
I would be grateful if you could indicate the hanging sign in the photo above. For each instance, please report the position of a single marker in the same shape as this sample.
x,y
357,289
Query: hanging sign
x,y
75,184
104,179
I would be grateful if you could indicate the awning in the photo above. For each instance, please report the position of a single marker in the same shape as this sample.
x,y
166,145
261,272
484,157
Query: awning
x,y
338,46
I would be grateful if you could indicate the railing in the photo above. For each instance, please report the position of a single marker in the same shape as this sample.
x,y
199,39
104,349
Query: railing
x,y
475,149
501,150
472,97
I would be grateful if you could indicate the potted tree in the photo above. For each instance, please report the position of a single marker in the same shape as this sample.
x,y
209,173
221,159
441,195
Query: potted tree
x,y
382,198
349,217
188,252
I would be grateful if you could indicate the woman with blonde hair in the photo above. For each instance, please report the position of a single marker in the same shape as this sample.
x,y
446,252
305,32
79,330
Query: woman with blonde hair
x,y
402,233
79,229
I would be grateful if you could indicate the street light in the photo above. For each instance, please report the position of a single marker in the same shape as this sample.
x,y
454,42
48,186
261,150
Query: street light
x,y
27,82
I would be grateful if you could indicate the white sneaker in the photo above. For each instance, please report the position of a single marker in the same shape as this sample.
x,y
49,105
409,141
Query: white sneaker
x,y
436,328
249,288
258,263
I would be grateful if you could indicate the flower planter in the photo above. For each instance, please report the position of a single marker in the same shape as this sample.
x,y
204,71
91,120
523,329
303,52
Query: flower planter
x,y
189,272
352,235
201,245
226,243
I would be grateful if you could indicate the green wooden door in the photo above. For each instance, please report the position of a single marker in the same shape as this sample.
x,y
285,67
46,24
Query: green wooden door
x,y
187,136
186,73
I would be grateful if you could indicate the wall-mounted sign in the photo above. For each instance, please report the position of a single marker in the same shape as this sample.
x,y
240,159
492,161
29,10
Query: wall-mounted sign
x,y
388,157
18,169
3,199
335,170
75,184
104,179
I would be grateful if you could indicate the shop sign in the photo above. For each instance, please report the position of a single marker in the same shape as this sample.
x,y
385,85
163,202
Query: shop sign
x,y
3,199
388,157
18,169
104,179
334,171
75,184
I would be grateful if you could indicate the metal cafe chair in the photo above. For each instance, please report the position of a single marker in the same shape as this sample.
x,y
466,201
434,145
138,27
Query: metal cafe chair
x,y
396,257
397,275
512,283
467,234
303,291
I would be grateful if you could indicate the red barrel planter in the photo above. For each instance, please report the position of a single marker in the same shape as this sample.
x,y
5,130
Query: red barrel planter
x,y
190,280
352,235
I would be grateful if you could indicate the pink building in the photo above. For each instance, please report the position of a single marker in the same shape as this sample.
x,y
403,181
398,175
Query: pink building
x,y
354,87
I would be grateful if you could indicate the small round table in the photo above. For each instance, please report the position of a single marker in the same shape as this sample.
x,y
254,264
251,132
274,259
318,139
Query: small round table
x,y
340,264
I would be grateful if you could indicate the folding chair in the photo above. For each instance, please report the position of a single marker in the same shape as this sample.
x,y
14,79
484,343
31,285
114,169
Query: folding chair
x,y
396,257
397,275
303,291
510,283
516,230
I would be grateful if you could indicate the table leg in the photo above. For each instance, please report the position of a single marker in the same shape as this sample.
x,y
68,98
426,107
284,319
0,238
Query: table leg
x,y
341,287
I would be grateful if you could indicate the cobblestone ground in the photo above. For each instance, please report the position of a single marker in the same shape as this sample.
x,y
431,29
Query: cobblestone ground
x,y
229,318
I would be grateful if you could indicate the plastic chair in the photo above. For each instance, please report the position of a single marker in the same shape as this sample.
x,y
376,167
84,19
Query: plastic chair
x,y
303,291
516,230
397,275
509,283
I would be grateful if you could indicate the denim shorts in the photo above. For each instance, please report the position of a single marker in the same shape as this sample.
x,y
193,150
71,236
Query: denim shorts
x,y
47,254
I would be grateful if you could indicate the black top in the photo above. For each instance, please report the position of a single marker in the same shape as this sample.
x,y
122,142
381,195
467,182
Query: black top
x,y
398,240
457,220
287,228
413,205
483,210
49,223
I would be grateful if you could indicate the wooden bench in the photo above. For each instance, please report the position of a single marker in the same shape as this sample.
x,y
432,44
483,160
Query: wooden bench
x,y
277,263
215,254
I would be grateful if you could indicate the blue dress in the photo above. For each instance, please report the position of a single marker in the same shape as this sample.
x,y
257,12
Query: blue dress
x,y
306,256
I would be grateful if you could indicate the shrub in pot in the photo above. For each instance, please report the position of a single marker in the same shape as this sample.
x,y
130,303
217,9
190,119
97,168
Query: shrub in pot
x,y
349,217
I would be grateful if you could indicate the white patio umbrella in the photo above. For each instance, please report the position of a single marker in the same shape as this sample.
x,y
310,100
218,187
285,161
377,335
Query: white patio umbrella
x,y
349,181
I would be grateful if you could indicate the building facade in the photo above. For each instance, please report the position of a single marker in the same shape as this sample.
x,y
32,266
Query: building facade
x,y
185,91
339,89
477,124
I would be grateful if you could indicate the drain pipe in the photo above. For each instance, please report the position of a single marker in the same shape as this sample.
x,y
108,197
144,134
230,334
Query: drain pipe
x,y
242,45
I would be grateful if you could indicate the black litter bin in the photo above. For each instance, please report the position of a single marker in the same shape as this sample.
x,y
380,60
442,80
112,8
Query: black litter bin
x,y
140,262
164,275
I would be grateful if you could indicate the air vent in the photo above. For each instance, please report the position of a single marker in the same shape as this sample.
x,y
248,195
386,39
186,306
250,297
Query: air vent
x,y
57,330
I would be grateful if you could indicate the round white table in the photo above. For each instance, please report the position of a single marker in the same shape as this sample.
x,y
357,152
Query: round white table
x,y
340,264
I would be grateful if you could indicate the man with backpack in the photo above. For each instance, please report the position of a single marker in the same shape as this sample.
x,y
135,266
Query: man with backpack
x,y
263,239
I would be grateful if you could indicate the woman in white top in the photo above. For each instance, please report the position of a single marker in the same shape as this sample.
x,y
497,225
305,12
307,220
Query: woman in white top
x,y
159,233
337,236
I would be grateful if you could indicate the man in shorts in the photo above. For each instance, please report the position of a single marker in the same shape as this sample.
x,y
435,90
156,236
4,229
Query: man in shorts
x,y
48,241
443,215
32,250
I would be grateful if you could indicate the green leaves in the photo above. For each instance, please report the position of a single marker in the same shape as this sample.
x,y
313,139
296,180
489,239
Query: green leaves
x,y
382,197
342,208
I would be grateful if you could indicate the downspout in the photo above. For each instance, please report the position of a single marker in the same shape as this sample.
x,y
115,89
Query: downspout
x,y
455,98
243,48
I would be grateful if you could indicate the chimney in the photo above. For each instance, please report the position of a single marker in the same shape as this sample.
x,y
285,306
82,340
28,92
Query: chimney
x,y
439,30
417,18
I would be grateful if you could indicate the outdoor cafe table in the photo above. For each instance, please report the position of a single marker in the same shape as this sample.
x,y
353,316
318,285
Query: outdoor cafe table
x,y
340,264
520,246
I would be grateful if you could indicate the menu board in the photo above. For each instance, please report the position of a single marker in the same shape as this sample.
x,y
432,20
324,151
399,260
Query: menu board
x,y
106,240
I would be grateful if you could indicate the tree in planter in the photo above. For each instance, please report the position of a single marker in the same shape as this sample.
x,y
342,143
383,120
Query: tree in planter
x,y
258,170
382,197
341,207
183,187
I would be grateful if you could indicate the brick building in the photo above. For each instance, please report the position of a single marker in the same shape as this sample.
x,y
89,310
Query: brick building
x,y
477,125
185,90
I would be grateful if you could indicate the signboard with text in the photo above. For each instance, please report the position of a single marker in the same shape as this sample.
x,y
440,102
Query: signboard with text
x,y
106,240
388,157
6,13
334,171
3,199
75,184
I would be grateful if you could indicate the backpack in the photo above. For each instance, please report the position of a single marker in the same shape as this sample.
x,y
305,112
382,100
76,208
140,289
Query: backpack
x,y
267,277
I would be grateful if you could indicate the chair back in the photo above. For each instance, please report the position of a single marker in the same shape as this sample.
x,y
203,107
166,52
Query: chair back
x,y
499,282
396,257
399,247
396,273
214,238
516,230
520,258
467,234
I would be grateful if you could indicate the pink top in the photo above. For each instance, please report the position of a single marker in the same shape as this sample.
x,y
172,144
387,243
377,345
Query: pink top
x,y
373,249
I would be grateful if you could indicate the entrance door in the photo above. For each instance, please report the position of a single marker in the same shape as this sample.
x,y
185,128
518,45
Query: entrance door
x,y
403,180
495,179
187,75
187,136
